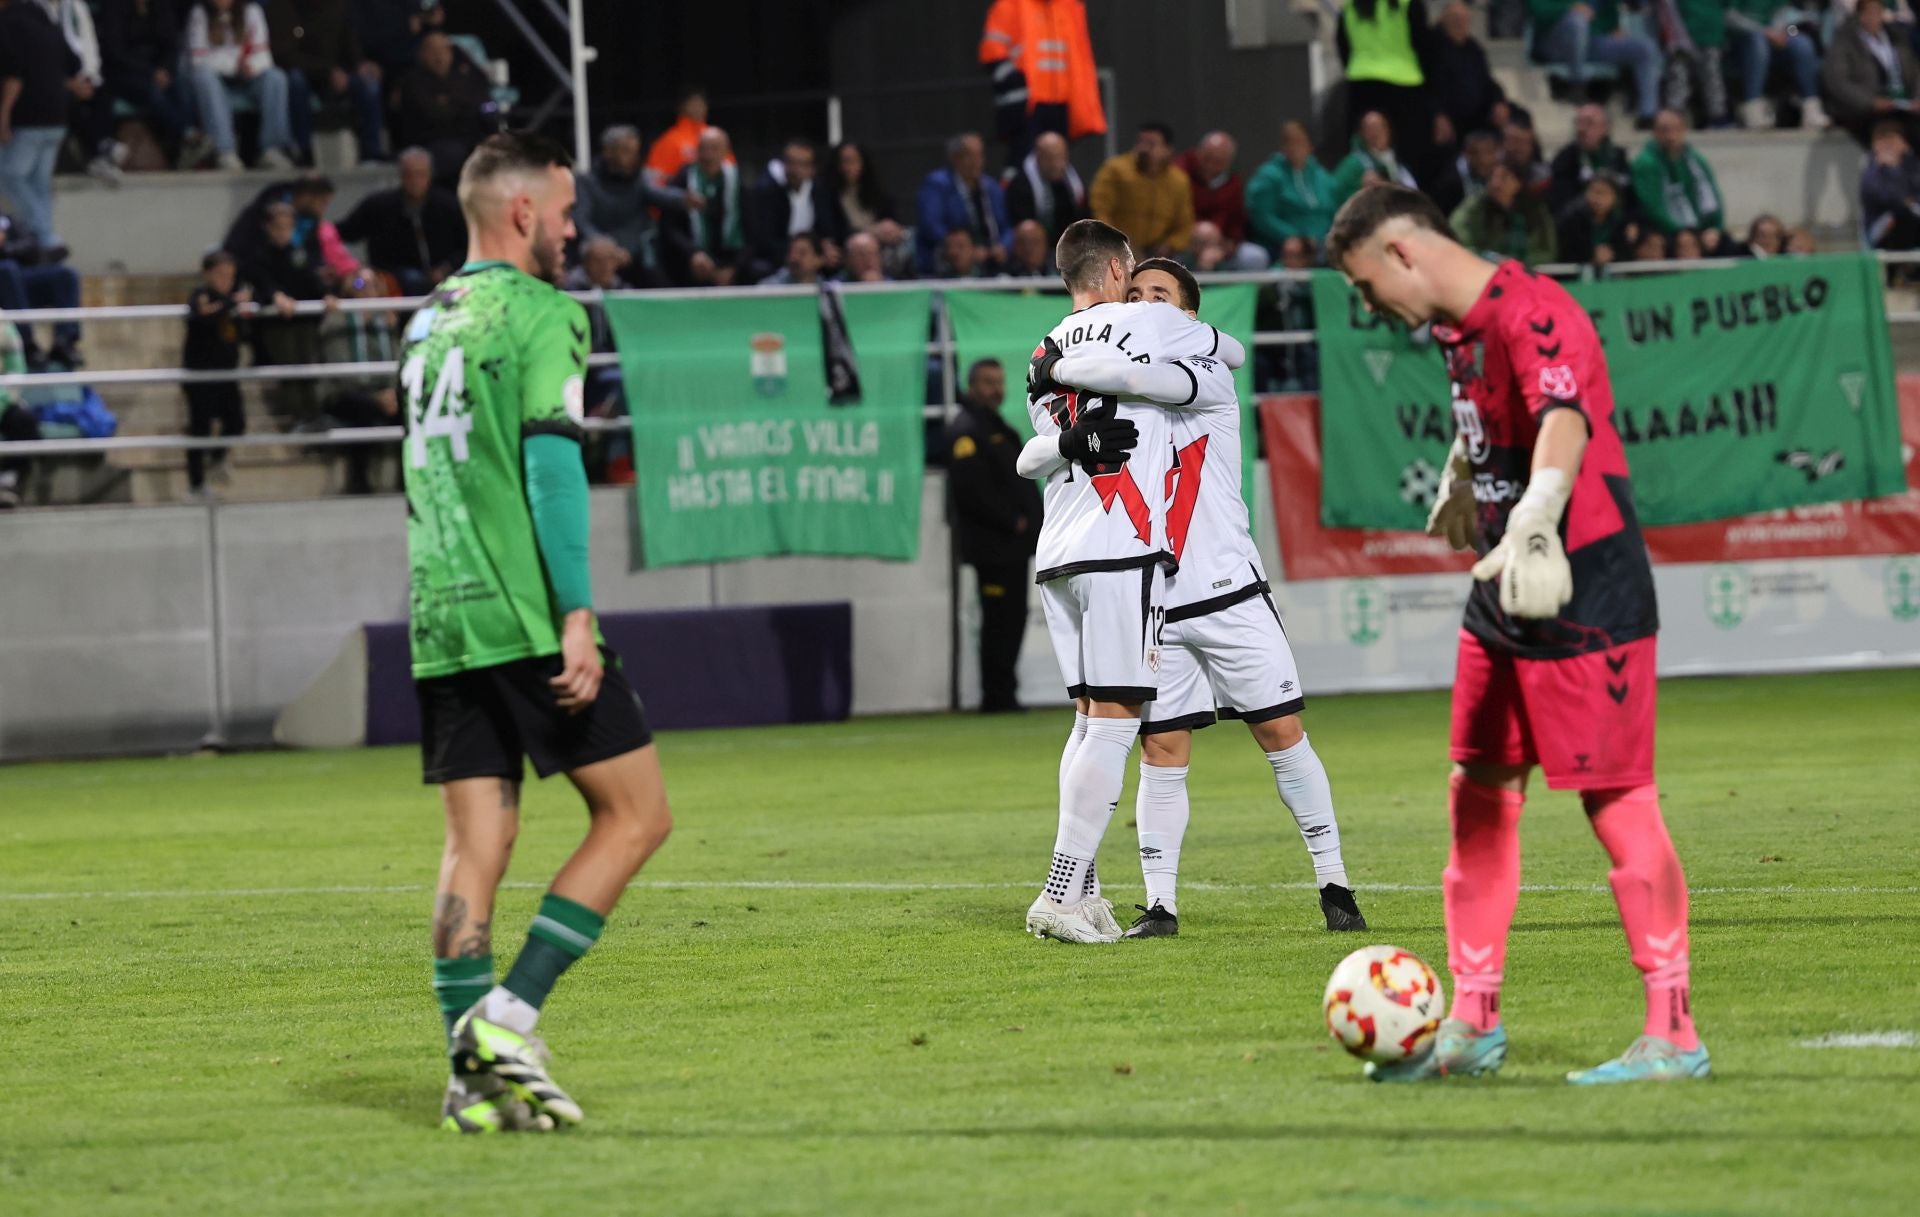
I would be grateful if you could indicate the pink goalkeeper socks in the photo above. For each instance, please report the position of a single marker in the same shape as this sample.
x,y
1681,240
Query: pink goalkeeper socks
x,y
1651,891
1480,888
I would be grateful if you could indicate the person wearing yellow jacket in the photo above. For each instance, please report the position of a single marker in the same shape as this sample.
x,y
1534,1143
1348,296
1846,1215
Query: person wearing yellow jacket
x,y
1145,195
1381,42
1040,57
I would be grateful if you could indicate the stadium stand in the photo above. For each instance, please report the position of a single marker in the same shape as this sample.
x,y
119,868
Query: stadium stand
x,y
139,243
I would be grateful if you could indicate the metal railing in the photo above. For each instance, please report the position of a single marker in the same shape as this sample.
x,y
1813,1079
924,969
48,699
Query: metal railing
x,y
941,346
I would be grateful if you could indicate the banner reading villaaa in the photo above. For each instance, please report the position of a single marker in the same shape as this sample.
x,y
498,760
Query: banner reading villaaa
x,y
1742,390
777,425
1008,325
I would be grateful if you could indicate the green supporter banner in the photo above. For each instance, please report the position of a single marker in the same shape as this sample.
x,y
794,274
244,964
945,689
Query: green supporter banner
x,y
1747,389
1008,325
741,449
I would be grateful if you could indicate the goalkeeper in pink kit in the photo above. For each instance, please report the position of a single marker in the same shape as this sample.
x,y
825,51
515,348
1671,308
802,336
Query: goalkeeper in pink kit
x,y
1556,655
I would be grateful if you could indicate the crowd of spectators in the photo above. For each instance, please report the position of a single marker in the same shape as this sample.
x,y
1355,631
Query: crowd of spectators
x,y
1423,109
196,72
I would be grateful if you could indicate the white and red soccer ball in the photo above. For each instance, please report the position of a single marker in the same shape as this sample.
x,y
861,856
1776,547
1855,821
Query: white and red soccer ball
x,y
1383,1004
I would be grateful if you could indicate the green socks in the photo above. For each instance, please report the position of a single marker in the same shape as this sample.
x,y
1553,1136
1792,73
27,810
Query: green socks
x,y
561,933
459,983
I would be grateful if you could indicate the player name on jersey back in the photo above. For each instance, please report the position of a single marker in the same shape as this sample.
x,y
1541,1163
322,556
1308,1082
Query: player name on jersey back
x,y
1117,520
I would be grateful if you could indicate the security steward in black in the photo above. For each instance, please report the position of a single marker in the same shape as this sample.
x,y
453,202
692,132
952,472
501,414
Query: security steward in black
x,y
995,515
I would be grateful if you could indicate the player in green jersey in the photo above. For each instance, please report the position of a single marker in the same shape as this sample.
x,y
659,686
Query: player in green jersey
x,y
507,660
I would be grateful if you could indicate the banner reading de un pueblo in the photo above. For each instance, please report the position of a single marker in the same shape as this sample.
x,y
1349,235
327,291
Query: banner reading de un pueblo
x,y
777,425
1747,389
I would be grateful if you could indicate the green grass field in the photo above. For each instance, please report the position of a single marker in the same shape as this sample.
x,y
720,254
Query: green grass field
x,y
819,999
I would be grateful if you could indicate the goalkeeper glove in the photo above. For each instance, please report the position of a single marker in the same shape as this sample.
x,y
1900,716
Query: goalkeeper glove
x,y
1100,441
1530,563
1454,510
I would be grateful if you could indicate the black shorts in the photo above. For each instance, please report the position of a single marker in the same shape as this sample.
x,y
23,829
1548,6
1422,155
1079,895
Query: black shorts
x,y
483,723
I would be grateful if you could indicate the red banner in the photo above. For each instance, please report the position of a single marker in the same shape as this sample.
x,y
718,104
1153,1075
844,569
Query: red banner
x,y
1309,550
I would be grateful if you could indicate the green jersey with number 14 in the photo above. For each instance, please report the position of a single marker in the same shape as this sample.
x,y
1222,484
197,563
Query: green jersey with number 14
x,y
494,356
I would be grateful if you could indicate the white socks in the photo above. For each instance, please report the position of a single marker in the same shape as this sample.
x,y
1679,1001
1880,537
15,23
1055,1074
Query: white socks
x,y
1091,777
504,1009
1302,780
1160,813
1074,737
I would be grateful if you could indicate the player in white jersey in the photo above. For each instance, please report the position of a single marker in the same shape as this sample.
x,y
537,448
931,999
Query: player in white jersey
x,y
1223,650
1102,553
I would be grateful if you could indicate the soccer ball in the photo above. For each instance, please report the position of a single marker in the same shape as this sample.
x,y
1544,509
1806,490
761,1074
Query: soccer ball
x,y
1383,1004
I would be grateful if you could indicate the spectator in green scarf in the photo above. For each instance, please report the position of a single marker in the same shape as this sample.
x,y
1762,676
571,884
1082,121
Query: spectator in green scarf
x,y
1372,160
1675,186
705,242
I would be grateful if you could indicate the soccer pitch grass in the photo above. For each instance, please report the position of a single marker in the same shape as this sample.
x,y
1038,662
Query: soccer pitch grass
x,y
819,999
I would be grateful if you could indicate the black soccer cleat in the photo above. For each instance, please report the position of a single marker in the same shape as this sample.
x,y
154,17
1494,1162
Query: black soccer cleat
x,y
1155,922
1342,913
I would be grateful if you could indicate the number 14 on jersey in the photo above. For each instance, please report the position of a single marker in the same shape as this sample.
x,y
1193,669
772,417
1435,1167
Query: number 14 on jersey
x,y
443,413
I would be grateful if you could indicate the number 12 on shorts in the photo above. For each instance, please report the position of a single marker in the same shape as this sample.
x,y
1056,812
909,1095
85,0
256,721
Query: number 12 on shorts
x,y
444,413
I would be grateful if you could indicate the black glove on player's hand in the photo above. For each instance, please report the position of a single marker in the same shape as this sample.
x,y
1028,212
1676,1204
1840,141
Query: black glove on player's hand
x,y
1100,441
1040,381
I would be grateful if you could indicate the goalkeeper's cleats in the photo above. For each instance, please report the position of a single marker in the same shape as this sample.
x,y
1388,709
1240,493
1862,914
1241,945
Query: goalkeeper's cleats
x,y
1459,1050
1649,1059
485,1049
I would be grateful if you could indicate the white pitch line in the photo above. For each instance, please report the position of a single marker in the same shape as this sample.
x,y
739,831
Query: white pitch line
x,y
804,885
1864,1039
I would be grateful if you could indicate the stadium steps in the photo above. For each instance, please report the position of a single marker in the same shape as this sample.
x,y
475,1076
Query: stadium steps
x,y
1801,176
160,223
272,472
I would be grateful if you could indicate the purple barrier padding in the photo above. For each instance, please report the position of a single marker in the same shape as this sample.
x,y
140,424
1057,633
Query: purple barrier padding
x,y
723,667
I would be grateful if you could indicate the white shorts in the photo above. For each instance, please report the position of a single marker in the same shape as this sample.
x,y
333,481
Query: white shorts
x,y
1231,663
1105,627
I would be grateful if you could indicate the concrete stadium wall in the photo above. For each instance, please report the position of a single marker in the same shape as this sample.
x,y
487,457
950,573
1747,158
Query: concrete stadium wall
x,y
107,617
160,223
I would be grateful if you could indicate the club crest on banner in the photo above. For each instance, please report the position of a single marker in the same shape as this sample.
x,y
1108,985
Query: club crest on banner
x,y
1727,595
769,363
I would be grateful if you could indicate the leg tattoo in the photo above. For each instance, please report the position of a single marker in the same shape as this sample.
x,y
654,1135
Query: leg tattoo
x,y
454,936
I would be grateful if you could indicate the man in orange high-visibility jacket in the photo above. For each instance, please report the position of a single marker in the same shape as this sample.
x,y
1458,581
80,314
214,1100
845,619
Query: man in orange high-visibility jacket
x,y
1041,60
674,150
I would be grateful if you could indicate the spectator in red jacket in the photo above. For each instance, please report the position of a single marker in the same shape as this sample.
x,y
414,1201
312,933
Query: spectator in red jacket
x,y
1219,207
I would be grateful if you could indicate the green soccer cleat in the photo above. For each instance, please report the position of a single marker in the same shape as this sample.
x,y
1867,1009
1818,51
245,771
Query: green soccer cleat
x,y
1649,1059
484,1049
1459,1050
481,1103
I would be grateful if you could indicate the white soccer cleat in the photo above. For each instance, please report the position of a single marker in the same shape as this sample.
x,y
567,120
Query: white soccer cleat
x,y
1088,920
1101,912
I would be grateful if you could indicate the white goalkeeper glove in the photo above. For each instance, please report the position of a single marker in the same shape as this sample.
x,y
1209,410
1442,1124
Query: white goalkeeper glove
x,y
1454,509
1530,563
